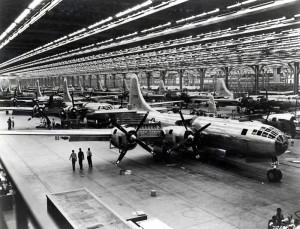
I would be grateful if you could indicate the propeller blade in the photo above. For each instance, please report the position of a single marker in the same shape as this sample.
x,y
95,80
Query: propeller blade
x,y
203,128
142,121
118,126
144,146
194,147
72,97
183,121
122,154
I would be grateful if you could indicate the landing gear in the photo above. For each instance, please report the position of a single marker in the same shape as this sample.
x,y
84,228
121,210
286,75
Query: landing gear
x,y
274,174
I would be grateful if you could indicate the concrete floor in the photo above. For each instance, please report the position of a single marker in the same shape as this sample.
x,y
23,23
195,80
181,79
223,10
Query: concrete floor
x,y
190,194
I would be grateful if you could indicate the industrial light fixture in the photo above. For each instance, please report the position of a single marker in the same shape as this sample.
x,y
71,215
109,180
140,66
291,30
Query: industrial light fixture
x,y
26,13
151,10
135,8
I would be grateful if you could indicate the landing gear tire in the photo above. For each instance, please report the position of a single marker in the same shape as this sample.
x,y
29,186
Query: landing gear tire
x,y
274,175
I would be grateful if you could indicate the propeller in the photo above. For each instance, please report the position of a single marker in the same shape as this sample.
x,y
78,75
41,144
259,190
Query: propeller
x,y
190,137
131,137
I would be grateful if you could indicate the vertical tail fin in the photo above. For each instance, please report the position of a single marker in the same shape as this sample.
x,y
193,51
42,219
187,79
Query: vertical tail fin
x,y
19,87
212,105
81,88
100,86
136,99
161,88
222,90
127,88
67,96
39,93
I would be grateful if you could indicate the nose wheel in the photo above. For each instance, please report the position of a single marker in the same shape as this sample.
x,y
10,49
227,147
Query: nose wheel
x,y
274,174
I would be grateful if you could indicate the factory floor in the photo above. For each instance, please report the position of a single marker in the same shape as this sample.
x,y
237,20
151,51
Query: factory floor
x,y
190,194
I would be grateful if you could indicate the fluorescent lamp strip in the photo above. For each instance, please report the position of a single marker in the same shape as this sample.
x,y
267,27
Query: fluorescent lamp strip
x,y
29,22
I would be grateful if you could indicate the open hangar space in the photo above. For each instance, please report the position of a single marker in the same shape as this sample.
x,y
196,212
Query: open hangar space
x,y
249,49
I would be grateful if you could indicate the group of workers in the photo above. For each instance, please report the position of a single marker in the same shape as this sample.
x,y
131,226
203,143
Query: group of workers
x,y
73,156
278,221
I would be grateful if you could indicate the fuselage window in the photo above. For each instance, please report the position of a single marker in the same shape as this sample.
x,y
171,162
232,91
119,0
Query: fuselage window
x,y
268,130
271,136
254,131
265,134
244,131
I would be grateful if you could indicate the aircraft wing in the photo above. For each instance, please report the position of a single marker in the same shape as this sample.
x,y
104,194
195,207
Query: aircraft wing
x,y
113,111
16,108
167,102
75,135
221,102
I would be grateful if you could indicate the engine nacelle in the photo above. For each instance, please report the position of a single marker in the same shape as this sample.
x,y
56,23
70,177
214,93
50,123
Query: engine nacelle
x,y
123,141
176,134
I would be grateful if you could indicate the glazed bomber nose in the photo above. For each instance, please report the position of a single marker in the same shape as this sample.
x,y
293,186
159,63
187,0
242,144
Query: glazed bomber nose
x,y
281,144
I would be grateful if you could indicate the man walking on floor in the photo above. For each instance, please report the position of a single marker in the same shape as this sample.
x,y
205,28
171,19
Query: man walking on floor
x,y
80,157
74,159
89,157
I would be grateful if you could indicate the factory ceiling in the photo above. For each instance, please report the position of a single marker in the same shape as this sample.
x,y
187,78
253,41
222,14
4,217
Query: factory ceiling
x,y
44,37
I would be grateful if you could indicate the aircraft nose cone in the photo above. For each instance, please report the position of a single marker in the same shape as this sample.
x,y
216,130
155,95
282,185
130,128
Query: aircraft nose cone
x,y
281,145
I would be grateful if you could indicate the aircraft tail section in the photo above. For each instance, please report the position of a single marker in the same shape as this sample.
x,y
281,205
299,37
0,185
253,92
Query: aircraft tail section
x,y
127,88
81,88
161,88
212,108
19,88
136,99
39,93
222,90
67,96
100,87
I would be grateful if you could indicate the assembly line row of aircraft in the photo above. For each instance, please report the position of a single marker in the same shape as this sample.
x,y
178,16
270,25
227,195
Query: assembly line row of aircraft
x,y
206,136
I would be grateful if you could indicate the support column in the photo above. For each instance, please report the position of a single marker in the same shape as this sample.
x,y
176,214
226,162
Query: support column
x,y
90,80
256,81
83,81
201,72
73,81
97,82
226,73
114,80
105,80
296,78
148,80
256,70
77,80
124,85
181,72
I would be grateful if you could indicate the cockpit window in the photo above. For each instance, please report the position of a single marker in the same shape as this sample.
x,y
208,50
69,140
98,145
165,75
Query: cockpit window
x,y
259,132
264,134
244,131
271,136
268,130
254,131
